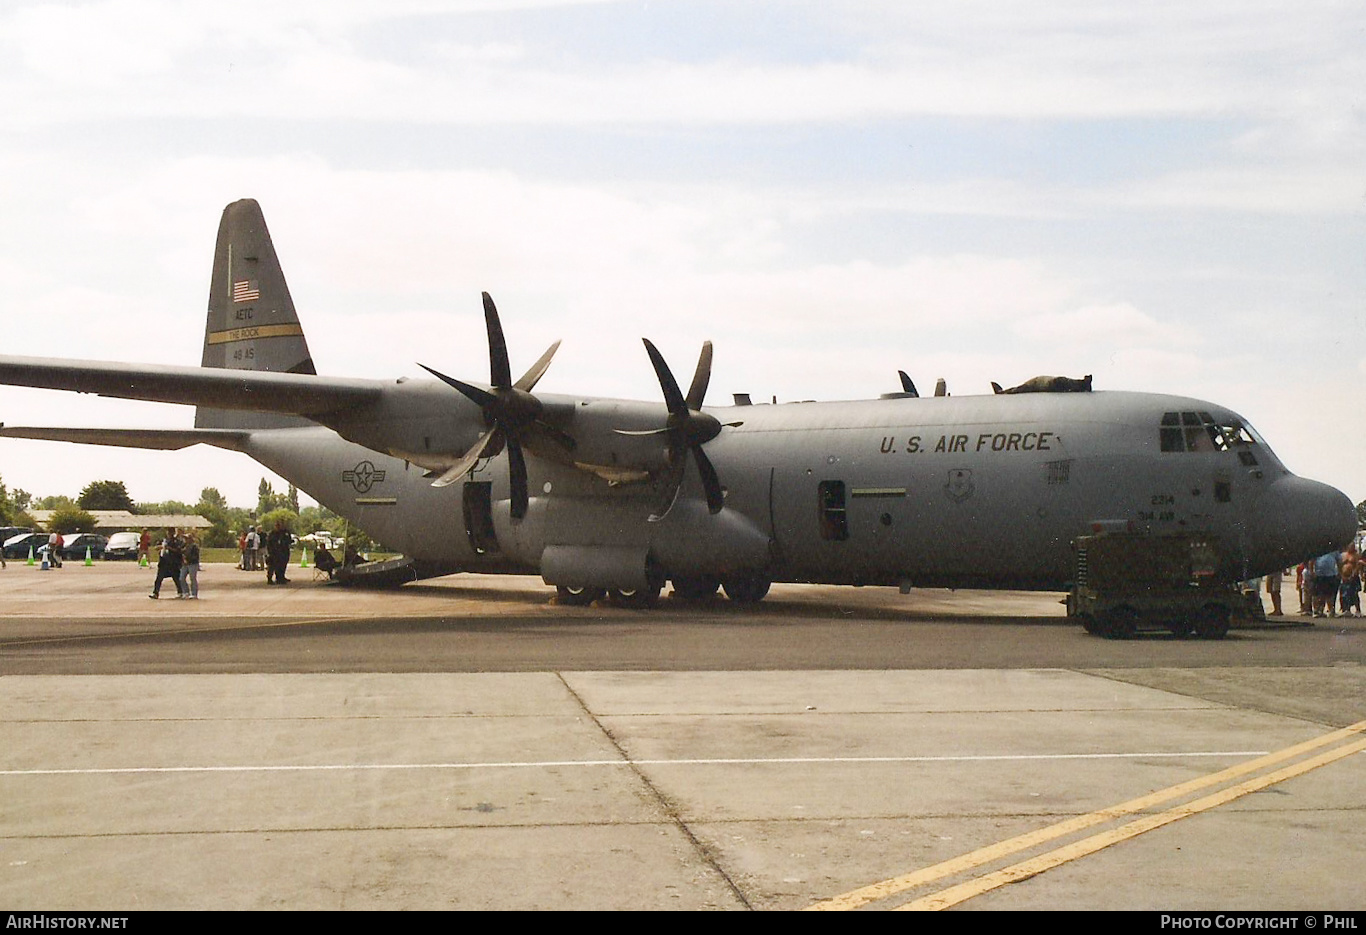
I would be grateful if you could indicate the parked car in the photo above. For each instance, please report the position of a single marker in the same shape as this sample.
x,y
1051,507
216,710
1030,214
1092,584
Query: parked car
x,y
75,544
9,532
18,546
122,545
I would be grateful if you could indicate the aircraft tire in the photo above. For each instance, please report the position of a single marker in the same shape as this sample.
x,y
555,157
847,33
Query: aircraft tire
x,y
577,597
636,598
746,589
1090,624
698,588
1212,623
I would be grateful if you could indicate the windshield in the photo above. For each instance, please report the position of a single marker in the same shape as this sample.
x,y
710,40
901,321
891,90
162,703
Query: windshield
x,y
1201,431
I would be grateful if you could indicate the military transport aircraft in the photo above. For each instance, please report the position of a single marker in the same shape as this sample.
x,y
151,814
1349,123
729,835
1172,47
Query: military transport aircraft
x,y
617,497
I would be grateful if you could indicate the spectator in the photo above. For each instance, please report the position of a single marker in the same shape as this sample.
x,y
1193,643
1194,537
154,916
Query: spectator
x,y
189,568
278,544
326,561
1326,584
168,564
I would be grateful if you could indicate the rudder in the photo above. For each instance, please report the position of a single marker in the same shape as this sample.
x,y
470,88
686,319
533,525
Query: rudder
x,y
251,323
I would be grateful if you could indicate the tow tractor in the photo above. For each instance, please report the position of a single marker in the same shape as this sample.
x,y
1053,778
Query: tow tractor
x,y
1125,582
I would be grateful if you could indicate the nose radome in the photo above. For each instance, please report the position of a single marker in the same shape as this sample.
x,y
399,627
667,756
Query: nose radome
x,y
1304,518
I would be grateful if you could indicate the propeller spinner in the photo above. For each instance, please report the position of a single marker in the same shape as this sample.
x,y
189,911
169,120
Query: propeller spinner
x,y
687,428
510,411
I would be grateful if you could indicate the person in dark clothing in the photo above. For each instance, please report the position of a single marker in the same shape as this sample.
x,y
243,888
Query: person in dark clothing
x,y
326,561
168,564
278,544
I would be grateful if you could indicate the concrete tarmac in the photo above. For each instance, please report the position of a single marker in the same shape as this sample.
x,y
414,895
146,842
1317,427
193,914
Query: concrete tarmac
x,y
469,744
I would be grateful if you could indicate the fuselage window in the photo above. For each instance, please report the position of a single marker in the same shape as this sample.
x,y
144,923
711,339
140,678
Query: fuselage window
x,y
834,520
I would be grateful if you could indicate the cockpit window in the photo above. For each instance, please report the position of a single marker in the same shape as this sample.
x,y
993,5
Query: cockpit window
x,y
1171,434
1200,431
1195,438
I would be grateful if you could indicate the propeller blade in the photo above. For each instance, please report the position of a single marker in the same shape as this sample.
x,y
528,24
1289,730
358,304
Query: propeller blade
x,y
688,428
538,369
461,467
499,372
673,397
510,411
517,478
700,378
710,482
479,397
907,386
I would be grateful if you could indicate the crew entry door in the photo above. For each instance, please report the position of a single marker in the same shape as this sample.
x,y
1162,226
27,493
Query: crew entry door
x,y
478,510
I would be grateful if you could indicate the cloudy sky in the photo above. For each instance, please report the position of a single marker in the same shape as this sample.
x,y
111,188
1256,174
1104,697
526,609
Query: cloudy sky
x,y
1168,195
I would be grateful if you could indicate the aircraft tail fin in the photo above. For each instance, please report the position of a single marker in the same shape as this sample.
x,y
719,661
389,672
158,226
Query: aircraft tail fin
x,y
252,324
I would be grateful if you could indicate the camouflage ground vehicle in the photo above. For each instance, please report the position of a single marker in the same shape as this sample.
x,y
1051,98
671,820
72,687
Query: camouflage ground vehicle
x,y
1125,583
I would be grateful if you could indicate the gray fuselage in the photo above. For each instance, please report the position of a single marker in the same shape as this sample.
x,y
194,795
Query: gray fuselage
x,y
942,491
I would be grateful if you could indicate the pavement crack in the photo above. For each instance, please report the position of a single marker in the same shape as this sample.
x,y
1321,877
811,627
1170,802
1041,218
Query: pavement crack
x,y
667,805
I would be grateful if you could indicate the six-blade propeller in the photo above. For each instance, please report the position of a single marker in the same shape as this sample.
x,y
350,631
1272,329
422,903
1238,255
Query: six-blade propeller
x,y
687,428
510,412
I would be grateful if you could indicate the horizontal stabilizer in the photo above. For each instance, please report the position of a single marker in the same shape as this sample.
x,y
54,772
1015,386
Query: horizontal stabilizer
x,y
246,390
163,439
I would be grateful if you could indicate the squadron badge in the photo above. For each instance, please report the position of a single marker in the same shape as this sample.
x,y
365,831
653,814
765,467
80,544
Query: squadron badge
x,y
959,485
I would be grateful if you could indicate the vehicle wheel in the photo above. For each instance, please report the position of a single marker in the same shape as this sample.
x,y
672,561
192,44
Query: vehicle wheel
x,y
1212,622
695,589
1090,624
636,598
577,597
747,589
1121,623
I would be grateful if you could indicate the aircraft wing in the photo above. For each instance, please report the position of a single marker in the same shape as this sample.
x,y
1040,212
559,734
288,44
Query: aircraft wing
x,y
300,394
163,439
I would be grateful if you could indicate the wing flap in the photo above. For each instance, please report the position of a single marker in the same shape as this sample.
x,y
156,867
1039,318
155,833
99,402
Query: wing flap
x,y
162,439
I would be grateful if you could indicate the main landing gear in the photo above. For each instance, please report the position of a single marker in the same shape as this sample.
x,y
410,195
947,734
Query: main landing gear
x,y
742,589
638,598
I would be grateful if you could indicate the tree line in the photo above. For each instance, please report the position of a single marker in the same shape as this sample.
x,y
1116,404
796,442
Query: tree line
x,y
227,522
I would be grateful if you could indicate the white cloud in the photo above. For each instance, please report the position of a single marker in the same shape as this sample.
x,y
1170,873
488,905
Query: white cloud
x,y
813,282
309,61
1118,324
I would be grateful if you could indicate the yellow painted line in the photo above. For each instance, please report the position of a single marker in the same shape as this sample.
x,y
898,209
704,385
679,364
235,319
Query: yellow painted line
x,y
1097,842
252,332
985,855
